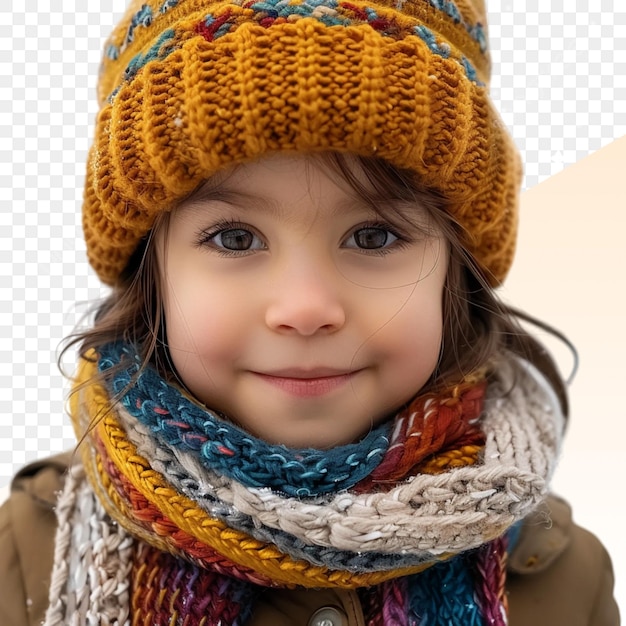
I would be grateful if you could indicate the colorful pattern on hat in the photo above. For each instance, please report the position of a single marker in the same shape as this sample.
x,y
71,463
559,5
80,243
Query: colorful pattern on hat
x,y
189,87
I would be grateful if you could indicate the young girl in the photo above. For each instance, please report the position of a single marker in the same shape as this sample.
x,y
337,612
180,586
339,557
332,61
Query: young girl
x,y
303,402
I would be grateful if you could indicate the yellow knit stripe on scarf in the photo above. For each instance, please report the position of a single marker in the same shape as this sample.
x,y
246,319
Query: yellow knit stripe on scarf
x,y
235,545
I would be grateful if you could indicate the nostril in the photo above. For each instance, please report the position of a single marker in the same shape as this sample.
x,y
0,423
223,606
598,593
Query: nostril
x,y
305,318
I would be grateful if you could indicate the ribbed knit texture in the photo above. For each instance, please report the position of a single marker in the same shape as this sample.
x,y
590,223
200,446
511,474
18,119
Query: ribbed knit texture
x,y
189,87
421,548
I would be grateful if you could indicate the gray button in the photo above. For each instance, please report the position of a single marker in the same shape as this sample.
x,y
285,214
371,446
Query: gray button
x,y
329,616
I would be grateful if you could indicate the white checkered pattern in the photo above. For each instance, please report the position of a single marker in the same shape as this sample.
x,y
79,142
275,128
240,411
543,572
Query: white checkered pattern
x,y
559,79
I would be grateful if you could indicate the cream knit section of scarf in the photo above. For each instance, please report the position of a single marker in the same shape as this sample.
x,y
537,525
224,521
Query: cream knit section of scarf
x,y
432,514
90,583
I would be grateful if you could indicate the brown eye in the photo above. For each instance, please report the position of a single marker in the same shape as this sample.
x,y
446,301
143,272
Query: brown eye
x,y
236,239
372,238
230,238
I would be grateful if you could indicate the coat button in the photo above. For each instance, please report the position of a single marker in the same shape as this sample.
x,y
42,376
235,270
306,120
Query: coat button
x,y
328,616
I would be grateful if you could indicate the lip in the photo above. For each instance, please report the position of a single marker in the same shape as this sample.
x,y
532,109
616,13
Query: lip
x,y
307,383
303,373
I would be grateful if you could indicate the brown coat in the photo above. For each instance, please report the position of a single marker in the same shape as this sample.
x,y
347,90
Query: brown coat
x,y
559,574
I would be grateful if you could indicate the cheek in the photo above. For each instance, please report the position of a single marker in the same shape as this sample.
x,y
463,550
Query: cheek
x,y
202,321
422,329
414,334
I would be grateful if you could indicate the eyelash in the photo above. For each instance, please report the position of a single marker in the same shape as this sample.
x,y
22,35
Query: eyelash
x,y
205,237
402,240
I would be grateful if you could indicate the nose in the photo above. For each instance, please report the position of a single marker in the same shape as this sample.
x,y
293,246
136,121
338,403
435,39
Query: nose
x,y
306,300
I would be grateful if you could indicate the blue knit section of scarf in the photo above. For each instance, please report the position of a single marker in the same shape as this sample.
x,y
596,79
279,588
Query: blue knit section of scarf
x,y
447,593
223,447
444,594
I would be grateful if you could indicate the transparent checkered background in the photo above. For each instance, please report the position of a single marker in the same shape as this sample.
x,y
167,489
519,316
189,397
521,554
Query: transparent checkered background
x,y
559,80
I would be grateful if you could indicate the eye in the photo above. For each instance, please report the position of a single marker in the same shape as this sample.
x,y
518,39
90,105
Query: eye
x,y
232,238
371,238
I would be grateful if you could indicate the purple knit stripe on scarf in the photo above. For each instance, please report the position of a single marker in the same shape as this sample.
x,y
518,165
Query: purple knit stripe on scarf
x,y
491,579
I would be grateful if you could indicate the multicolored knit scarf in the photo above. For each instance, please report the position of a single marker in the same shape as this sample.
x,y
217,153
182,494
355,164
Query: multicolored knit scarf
x,y
177,516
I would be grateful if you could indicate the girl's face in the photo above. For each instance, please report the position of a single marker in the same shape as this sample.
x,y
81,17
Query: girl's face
x,y
293,308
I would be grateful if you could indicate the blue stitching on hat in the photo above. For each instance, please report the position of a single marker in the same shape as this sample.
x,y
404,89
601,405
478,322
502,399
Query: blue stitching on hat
x,y
143,17
161,49
443,50
112,52
476,31
428,37
167,4
470,71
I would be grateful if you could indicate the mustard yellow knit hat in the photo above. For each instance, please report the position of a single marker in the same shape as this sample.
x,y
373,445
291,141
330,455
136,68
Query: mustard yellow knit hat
x,y
188,87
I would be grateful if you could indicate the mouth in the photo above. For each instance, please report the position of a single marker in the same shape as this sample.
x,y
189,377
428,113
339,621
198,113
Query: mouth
x,y
307,383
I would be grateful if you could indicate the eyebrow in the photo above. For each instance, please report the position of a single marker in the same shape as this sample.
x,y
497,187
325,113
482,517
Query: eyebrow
x,y
220,191
240,199
247,202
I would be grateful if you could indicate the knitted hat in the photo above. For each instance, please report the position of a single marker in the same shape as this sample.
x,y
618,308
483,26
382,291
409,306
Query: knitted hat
x,y
188,87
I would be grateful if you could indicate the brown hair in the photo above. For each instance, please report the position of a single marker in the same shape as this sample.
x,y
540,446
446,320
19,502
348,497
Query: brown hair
x,y
478,326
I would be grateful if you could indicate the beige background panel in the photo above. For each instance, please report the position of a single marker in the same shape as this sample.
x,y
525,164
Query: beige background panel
x,y
570,271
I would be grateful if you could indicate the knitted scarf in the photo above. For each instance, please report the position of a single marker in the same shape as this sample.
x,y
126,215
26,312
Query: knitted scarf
x,y
177,516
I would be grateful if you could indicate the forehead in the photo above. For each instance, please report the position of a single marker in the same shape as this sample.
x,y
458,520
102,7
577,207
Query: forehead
x,y
277,176
282,183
